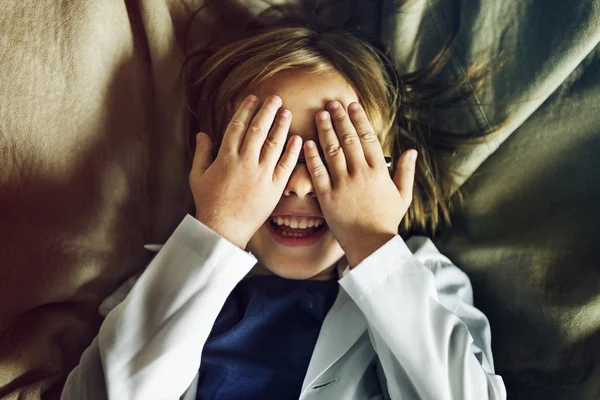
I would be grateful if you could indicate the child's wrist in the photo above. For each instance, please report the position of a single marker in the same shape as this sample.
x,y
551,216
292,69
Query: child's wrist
x,y
224,232
357,251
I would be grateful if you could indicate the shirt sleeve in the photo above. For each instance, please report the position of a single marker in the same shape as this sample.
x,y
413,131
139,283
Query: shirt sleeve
x,y
163,321
432,343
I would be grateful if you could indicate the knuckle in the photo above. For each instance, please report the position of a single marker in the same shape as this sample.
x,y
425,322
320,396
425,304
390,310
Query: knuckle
x,y
327,127
349,138
365,173
228,156
361,118
339,116
280,125
271,143
368,135
332,149
254,129
314,158
285,165
319,170
237,124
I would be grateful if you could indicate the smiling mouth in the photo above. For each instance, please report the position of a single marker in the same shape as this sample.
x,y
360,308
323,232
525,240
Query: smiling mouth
x,y
284,230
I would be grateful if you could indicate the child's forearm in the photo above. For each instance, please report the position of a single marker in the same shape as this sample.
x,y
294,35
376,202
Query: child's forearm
x,y
156,334
423,327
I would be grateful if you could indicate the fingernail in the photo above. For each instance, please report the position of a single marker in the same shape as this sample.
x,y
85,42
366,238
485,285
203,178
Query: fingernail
x,y
413,155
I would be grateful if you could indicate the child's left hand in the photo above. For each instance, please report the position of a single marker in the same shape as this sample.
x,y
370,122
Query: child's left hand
x,y
362,205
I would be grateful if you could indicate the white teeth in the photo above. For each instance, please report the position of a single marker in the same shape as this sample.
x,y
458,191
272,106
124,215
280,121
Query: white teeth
x,y
295,222
294,234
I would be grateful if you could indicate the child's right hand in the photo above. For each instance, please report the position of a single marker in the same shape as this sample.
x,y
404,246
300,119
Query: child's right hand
x,y
237,192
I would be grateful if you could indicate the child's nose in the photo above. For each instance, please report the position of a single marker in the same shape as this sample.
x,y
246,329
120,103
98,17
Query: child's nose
x,y
300,183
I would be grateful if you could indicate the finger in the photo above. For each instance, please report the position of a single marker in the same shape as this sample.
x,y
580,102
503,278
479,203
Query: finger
x,y
347,136
288,161
404,177
237,127
259,128
334,154
203,156
372,151
318,173
275,142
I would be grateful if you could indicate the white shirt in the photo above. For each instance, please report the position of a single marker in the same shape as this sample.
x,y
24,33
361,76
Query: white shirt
x,y
403,326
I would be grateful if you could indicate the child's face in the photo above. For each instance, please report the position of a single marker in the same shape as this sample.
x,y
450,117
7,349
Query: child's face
x,y
304,95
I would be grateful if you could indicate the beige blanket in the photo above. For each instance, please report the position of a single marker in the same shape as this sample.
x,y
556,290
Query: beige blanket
x,y
92,167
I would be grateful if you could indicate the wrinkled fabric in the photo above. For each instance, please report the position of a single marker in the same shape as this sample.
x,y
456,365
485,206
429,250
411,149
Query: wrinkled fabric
x,y
528,233
402,326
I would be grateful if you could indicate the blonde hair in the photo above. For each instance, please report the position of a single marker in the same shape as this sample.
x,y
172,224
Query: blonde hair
x,y
401,108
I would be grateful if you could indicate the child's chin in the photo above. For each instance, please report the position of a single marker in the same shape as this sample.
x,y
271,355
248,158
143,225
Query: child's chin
x,y
293,273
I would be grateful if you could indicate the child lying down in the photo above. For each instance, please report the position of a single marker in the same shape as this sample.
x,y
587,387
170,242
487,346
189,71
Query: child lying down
x,y
290,280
